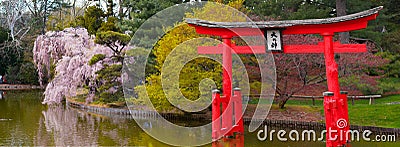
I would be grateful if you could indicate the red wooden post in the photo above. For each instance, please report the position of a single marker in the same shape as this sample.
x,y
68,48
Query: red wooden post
x,y
328,96
216,104
227,85
239,115
237,100
331,66
336,110
333,86
345,115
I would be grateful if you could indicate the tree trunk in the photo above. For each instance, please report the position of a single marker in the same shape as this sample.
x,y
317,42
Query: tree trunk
x,y
73,9
44,17
120,10
282,101
341,11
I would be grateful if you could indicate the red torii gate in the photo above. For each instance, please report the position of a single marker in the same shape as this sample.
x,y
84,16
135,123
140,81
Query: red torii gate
x,y
335,101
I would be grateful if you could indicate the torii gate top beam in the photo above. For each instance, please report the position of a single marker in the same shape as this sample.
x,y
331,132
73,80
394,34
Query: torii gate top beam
x,y
346,23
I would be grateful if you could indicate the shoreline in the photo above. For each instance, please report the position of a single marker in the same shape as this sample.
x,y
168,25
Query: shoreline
x,y
306,125
126,113
6,87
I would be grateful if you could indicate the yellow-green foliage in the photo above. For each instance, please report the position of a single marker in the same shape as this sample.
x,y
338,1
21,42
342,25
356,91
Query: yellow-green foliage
x,y
96,58
62,18
220,13
194,71
155,93
172,39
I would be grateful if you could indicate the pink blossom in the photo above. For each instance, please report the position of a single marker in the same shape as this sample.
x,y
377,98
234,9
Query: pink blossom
x,y
69,50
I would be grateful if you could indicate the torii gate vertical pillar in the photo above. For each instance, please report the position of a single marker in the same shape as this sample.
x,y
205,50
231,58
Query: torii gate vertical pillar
x,y
334,113
331,66
227,85
229,120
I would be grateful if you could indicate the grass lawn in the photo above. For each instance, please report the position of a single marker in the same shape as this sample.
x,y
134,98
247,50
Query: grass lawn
x,y
379,114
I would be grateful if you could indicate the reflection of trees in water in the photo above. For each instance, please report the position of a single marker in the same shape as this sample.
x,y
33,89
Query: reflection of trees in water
x,y
60,126
64,127
1,94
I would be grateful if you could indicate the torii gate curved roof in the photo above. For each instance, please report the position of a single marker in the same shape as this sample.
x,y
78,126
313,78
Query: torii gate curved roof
x,y
309,26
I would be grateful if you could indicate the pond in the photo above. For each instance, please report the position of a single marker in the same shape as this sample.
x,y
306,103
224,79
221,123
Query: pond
x,y
24,121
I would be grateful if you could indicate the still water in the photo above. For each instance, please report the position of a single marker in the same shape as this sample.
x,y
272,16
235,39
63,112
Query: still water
x,y
24,121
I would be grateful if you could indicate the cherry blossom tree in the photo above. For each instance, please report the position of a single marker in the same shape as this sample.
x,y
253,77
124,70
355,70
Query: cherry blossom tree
x,y
69,51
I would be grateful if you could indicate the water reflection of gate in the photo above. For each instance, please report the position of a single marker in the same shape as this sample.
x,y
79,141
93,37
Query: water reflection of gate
x,y
232,142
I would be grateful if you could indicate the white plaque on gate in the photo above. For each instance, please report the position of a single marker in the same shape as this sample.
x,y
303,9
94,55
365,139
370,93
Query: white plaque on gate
x,y
274,40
